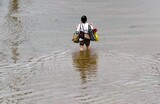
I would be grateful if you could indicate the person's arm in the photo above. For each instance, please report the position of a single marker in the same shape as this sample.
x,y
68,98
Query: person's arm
x,y
78,28
91,24
93,28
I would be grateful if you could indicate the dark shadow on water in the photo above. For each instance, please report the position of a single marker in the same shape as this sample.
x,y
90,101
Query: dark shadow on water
x,y
13,32
86,63
15,22
14,35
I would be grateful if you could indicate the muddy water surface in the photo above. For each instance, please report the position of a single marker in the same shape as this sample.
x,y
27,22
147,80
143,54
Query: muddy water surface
x,y
39,64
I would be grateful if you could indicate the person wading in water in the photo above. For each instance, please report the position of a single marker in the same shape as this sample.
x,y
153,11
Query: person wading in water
x,y
83,31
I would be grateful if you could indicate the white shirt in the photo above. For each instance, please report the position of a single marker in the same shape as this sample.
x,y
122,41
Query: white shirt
x,y
83,27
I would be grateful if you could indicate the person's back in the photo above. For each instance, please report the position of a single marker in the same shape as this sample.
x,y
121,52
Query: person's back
x,y
83,27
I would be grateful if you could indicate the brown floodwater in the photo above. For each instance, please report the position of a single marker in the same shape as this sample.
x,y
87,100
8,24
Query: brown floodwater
x,y
39,64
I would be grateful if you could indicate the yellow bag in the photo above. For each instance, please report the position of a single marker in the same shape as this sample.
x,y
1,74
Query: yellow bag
x,y
96,37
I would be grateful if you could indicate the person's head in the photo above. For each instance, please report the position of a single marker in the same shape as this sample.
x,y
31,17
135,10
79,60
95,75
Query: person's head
x,y
83,19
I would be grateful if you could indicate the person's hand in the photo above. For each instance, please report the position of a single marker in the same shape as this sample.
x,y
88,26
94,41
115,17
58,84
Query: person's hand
x,y
95,30
91,24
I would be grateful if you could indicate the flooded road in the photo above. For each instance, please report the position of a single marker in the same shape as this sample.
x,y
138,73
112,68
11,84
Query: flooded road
x,y
39,64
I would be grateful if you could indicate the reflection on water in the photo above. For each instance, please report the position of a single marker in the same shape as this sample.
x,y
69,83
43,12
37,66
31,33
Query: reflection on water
x,y
86,63
15,22
13,31
14,6
14,35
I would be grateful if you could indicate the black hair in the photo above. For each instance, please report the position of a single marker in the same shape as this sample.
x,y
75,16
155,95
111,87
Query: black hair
x,y
84,19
